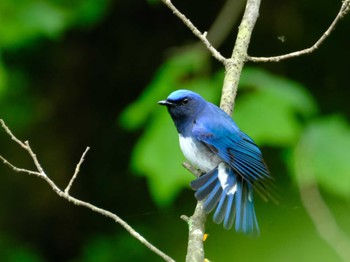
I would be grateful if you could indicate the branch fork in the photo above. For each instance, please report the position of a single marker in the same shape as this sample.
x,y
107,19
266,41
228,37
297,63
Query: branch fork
x,y
233,66
65,193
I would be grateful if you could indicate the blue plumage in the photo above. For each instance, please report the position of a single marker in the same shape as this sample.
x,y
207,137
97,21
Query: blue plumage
x,y
232,163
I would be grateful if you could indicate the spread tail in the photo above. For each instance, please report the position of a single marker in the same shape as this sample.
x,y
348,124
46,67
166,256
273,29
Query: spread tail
x,y
232,197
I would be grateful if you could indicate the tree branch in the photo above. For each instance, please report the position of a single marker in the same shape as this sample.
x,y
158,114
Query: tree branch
x,y
234,65
233,68
65,194
193,170
196,225
342,12
195,31
77,170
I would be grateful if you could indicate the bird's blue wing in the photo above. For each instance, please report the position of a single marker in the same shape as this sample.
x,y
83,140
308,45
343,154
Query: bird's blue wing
x,y
223,137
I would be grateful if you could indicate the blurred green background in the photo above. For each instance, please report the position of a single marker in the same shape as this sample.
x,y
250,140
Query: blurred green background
x,y
89,73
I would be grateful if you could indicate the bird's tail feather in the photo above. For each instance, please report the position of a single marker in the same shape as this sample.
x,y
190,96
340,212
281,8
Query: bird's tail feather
x,y
232,199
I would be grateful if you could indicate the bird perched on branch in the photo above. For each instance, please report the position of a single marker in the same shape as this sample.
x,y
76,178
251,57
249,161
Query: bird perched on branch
x,y
232,163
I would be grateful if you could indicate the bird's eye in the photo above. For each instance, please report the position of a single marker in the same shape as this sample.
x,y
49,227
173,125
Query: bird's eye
x,y
185,101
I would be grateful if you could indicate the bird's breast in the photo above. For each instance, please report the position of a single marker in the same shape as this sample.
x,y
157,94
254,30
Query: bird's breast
x,y
198,154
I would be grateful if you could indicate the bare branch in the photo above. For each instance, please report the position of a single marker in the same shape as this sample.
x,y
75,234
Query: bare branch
x,y
185,218
75,201
193,170
195,249
77,169
19,170
35,160
234,65
8,131
196,224
342,12
195,31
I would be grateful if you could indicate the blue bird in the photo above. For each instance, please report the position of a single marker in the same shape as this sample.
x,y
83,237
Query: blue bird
x,y
232,163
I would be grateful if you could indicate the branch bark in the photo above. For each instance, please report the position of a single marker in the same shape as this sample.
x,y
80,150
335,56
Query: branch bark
x,y
195,31
196,225
344,9
233,67
65,194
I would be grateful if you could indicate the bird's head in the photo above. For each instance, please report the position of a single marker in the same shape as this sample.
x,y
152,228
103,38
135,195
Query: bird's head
x,y
183,106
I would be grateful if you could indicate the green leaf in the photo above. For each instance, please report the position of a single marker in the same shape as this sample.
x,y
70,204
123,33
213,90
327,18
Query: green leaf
x,y
157,154
22,22
111,248
324,153
269,108
19,111
173,74
86,13
266,113
158,157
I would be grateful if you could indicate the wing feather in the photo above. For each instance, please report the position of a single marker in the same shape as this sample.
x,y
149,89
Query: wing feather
x,y
235,149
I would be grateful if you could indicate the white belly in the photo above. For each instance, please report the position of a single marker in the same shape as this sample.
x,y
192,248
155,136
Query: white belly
x,y
198,154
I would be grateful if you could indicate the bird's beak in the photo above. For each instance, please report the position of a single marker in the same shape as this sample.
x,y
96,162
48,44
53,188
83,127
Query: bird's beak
x,y
165,103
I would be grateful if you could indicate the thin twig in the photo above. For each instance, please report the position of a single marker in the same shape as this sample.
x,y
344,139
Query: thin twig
x,y
19,170
77,169
34,158
185,218
195,31
8,131
75,201
317,209
197,172
342,12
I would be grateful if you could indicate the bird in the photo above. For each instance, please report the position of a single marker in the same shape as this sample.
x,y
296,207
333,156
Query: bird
x,y
232,164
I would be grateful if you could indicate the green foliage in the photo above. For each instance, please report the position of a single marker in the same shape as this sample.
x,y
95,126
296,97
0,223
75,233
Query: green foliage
x,y
274,111
111,248
157,154
323,153
270,107
158,157
21,23
19,110
13,251
24,22
173,74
